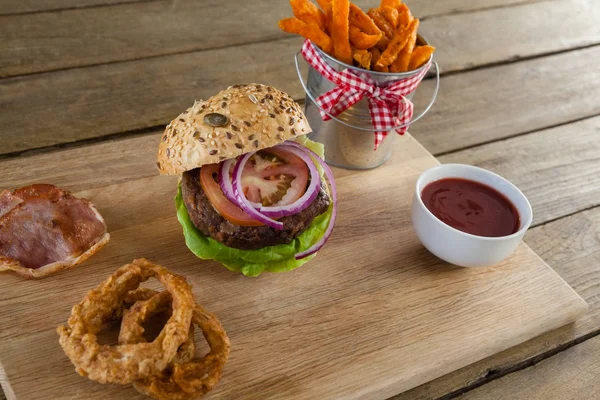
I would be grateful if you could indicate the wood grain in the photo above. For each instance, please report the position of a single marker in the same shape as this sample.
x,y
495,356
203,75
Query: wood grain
x,y
471,108
30,6
428,8
512,33
490,104
571,246
110,34
94,166
422,8
315,332
558,169
572,374
2,388
96,101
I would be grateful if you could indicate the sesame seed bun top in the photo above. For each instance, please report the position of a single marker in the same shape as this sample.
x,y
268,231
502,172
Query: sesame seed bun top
x,y
239,119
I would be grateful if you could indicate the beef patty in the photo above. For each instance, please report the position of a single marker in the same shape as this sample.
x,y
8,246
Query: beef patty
x,y
208,220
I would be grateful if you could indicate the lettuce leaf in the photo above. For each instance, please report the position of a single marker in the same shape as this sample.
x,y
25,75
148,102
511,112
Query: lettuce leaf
x,y
254,262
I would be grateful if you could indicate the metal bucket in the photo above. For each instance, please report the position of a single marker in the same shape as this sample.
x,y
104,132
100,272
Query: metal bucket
x,y
348,137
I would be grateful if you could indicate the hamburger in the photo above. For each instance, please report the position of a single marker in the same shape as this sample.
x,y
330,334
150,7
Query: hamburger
x,y
255,193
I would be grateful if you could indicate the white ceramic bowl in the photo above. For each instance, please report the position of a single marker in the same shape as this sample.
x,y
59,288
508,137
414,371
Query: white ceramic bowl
x,y
457,247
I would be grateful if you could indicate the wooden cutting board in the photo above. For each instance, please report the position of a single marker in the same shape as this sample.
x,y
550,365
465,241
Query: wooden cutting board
x,y
373,315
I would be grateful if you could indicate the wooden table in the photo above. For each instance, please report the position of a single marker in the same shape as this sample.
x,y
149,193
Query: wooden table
x,y
520,95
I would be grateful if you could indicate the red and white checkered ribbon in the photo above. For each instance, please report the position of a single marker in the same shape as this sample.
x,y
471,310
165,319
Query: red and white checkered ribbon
x,y
387,105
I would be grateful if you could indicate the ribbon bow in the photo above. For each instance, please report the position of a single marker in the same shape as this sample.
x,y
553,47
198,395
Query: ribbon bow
x,y
387,105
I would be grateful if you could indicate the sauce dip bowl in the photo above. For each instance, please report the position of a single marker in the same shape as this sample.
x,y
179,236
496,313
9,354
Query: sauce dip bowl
x,y
458,247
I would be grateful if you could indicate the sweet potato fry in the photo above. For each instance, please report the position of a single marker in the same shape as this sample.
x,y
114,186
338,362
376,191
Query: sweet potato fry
x,y
403,60
325,5
308,12
381,22
326,20
361,40
383,43
391,15
362,21
420,56
396,44
390,3
380,69
375,54
384,27
309,31
364,33
363,58
404,15
340,10
326,9
384,39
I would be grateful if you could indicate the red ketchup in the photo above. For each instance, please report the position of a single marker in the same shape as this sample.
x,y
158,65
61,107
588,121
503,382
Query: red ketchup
x,y
471,207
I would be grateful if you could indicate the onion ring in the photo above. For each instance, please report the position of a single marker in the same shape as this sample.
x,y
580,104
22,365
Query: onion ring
x,y
128,362
132,333
186,379
130,299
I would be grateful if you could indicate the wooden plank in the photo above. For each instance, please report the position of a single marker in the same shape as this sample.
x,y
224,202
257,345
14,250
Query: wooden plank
x,y
572,374
362,315
78,104
512,33
94,166
96,101
109,34
558,169
571,246
30,6
428,8
490,104
424,8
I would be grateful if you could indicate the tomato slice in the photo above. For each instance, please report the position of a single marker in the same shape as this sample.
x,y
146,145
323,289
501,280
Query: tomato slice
x,y
209,176
274,177
271,177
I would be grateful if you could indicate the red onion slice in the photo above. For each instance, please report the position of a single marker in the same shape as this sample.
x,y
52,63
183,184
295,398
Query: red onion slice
x,y
227,186
316,247
240,198
225,180
309,195
300,204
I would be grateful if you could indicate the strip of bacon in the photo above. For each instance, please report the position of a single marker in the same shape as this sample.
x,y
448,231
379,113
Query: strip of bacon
x,y
47,230
8,201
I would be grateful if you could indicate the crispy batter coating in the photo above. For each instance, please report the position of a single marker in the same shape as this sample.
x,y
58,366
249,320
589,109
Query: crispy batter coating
x,y
363,58
183,379
130,299
127,362
132,331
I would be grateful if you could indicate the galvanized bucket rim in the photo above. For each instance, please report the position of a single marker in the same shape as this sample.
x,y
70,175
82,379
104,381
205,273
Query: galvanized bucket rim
x,y
370,129
377,73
